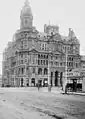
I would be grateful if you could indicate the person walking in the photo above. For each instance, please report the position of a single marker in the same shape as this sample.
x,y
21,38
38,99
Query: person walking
x,y
66,89
38,86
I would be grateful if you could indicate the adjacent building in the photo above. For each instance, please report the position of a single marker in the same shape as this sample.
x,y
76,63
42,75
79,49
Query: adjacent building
x,y
33,56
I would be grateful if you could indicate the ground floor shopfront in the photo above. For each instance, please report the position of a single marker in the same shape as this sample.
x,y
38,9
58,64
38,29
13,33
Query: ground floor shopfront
x,y
74,83
55,77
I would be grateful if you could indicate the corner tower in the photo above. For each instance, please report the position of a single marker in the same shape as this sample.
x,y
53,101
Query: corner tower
x,y
26,16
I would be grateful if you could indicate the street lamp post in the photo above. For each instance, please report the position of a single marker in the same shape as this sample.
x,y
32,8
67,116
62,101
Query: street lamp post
x,y
49,83
48,74
65,79
25,75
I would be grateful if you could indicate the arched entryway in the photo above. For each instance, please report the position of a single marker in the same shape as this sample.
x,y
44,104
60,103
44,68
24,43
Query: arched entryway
x,y
45,82
21,82
33,82
27,82
61,78
74,85
56,78
51,79
40,82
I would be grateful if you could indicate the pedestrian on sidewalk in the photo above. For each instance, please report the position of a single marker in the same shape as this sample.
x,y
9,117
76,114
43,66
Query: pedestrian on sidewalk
x,y
66,87
38,86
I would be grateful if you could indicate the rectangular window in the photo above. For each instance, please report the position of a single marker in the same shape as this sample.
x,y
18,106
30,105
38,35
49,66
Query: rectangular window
x,y
21,44
46,62
56,57
56,63
21,55
38,62
45,47
25,60
38,55
22,70
41,62
25,43
33,70
42,46
21,61
51,57
61,64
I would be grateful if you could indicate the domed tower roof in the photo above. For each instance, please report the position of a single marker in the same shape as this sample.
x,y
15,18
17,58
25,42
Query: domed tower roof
x,y
26,10
26,16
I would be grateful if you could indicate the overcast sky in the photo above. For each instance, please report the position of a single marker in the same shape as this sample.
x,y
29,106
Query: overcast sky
x,y
65,13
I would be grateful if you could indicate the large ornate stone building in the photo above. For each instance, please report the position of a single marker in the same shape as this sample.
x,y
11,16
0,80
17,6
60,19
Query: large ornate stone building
x,y
33,56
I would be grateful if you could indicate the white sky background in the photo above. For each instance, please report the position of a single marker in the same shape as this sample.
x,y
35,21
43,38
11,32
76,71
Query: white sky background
x,y
65,13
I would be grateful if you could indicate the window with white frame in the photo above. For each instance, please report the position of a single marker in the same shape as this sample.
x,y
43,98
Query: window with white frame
x,y
43,46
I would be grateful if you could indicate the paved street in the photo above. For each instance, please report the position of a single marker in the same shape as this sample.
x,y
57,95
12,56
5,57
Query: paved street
x,y
25,103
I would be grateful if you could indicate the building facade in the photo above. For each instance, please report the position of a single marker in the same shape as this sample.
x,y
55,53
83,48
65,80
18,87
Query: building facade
x,y
33,57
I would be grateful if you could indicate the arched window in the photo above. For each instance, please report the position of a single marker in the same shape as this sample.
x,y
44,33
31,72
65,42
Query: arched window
x,y
45,71
38,55
41,56
39,71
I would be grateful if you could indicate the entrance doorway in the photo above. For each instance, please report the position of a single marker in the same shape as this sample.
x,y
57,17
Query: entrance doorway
x,y
61,76
74,85
51,78
40,82
21,82
33,82
56,78
45,82
27,82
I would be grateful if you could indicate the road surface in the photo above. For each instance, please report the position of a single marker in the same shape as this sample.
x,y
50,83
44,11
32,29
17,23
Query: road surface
x,y
22,103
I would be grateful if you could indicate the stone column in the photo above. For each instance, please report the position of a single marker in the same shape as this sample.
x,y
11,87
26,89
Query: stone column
x,y
42,81
58,78
14,82
53,79
17,82
29,81
20,82
24,81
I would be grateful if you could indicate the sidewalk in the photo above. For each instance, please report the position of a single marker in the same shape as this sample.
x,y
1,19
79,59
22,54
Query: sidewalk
x,y
57,90
76,93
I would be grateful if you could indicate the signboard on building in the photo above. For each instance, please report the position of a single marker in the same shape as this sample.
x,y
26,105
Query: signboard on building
x,y
71,74
82,73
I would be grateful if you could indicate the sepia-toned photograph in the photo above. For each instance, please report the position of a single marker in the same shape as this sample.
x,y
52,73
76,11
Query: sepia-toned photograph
x,y
42,59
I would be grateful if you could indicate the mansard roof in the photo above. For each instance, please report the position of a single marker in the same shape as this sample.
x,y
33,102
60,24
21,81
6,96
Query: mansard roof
x,y
72,38
42,36
57,37
73,41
